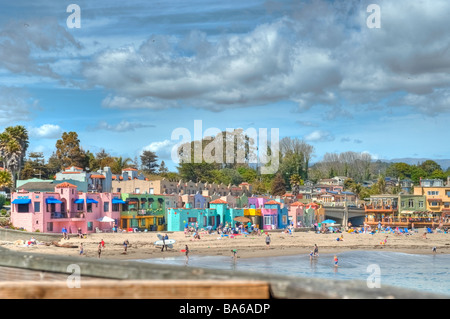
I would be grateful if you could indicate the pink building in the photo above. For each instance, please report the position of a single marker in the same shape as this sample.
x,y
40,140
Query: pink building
x,y
296,211
50,212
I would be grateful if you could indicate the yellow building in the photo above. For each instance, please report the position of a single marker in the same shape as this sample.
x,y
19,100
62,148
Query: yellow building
x,y
254,214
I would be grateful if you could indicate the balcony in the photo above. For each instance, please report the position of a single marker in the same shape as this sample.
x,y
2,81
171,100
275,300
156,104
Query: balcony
x,y
65,215
380,208
143,212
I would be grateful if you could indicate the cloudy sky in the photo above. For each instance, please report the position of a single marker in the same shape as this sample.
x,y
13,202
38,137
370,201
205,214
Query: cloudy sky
x,y
136,70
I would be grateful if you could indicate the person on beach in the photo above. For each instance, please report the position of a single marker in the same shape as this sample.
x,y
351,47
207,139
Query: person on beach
x,y
186,249
234,251
316,250
99,251
336,260
267,241
64,233
102,243
81,249
125,246
434,249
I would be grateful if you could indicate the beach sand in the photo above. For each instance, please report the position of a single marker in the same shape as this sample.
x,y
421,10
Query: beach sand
x,y
248,246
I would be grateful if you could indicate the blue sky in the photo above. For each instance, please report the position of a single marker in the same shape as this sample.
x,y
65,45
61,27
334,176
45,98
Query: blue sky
x,y
137,70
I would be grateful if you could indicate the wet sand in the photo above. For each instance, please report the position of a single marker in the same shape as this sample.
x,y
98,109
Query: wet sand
x,y
248,246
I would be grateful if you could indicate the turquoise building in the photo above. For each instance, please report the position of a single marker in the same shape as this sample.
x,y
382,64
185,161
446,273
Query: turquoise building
x,y
218,213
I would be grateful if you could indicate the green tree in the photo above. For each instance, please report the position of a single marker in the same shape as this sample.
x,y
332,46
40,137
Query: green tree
x,y
248,174
148,161
13,147
429,167
53,166
5,179
163,168
119,164
278,185
417,173
69,151
399,170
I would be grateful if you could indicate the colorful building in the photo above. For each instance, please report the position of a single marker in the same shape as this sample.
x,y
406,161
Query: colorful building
x,y
274,216
64,208
296,214
143,211
218,213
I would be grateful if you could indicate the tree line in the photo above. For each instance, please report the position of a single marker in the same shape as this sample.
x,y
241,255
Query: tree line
x,y
295,158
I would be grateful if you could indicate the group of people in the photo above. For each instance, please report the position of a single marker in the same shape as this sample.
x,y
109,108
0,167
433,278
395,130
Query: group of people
x,y
101,247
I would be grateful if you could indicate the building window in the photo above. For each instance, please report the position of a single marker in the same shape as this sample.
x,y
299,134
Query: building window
x,y
137,191
403,204
22,208
150,190
90,226
50,226
192,219
37,207
119,190
434,204
411,203
421,203
115,207
143,222
89,207
432,193
80,207
106,207
447,193
268,220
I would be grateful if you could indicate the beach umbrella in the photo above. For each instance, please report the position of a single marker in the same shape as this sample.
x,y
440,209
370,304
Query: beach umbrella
x,y
329,221
242,219
105,219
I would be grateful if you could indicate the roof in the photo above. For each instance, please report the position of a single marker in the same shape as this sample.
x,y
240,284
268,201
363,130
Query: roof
x,y
297,204
129,169
38,187
218,201
98,176
76,167
272,202
65,185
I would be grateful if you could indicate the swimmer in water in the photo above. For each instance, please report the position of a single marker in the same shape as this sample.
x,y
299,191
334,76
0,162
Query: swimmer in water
x,y
335,261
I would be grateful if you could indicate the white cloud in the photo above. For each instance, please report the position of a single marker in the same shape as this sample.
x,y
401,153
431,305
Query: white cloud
x,y
122,126
46,131
320,54
162,149
319,136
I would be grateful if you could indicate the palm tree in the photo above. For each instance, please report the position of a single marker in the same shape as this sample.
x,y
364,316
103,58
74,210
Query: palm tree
x,y
13,147
120,164
5,179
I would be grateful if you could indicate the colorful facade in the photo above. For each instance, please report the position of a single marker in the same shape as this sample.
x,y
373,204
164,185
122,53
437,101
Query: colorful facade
x,y
50,212
143,211
217,214
274,216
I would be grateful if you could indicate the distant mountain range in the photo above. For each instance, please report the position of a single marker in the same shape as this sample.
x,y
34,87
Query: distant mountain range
x,y
444,163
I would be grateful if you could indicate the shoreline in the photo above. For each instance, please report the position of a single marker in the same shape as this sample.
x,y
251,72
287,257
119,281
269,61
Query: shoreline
x,y
248,246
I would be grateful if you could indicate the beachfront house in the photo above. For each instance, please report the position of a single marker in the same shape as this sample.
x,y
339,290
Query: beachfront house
x,y
218,213
143,211
254,214
274,216
296,214
65,207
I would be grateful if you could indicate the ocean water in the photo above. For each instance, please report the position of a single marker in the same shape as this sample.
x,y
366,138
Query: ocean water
x,y
427,273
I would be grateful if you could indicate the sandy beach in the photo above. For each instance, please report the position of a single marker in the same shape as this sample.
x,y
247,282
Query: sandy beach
x,y
248,246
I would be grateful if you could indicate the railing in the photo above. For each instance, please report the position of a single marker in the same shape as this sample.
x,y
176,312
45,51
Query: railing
x,y
58,215
380,208
63,215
